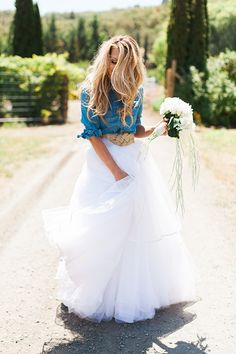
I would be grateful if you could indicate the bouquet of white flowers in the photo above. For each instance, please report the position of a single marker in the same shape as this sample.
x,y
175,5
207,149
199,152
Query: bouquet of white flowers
x,y
179,116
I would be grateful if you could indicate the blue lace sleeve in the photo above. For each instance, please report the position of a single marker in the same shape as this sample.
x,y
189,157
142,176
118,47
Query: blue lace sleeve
x,y
92,126
140,106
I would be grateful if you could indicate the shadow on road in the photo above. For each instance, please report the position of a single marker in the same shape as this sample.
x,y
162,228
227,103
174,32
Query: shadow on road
x,y
112,337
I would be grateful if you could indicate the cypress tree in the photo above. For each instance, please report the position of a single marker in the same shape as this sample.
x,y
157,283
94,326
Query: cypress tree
x,y
198,39
38,42
82,39
72,47
9,47
72,15
1,46
187,39
178,35
188,44
94,39
146,47
23,25
137,37
198,53
51,39
206,28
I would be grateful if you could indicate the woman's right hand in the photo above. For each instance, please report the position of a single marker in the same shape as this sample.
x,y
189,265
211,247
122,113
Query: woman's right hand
x,y
120,174
162,127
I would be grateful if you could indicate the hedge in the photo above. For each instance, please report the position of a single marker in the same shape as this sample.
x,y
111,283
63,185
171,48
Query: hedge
x,y
37,87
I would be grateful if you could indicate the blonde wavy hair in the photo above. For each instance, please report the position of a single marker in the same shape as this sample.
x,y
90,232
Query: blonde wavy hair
x,y
126,78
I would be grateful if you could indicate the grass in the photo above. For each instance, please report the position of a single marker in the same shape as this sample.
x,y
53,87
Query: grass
x,y
16,150
218,150
222,139
13,125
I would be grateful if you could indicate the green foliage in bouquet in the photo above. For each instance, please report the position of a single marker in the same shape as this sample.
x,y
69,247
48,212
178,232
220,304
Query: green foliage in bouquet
x,y
173,124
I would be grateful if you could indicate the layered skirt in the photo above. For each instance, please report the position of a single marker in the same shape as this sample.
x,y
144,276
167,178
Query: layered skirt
x,y
121,251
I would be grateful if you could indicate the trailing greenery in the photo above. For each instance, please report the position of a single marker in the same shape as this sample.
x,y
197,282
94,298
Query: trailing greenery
x,y
46,79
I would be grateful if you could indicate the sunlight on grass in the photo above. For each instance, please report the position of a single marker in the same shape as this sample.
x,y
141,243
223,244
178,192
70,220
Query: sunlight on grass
x,y
220,138
13,125
218,150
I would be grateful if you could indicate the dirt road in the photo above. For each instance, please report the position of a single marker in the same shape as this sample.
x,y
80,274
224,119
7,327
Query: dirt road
x,y
32,321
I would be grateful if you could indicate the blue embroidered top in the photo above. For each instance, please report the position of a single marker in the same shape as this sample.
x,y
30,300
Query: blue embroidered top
x,y
97,127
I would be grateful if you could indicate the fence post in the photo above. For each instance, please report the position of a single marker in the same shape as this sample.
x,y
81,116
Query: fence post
x,y
170,79
64,99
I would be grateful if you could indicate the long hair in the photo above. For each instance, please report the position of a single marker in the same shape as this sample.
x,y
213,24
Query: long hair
x,y
127,76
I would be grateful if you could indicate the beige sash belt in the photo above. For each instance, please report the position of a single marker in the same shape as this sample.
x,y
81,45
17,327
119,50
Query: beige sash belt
x,y
121,139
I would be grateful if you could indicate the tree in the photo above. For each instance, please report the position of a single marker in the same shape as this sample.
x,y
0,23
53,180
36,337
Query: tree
x,y
146,48
187,40
82,40
38,42
137,37
207,30
9,47
178,35
73,52
223,35
188,35
94,39
23,29
72,15
51,39
198,36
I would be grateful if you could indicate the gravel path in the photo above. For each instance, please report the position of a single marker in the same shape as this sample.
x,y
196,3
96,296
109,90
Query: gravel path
x,y
32,321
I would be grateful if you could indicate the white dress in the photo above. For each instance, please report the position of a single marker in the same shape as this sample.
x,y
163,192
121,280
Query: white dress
x,y
121,251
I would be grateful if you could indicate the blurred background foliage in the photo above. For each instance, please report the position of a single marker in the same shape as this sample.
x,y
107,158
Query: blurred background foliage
x,y
76,36
136,21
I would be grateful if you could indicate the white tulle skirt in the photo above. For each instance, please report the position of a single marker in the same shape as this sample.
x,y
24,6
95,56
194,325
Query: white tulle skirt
x,y
121,251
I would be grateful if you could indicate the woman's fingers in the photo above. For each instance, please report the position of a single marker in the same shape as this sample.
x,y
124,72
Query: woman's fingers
x,y
166,129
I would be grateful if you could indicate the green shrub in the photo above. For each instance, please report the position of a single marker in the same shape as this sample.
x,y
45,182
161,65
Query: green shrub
x,y
41,83
220,90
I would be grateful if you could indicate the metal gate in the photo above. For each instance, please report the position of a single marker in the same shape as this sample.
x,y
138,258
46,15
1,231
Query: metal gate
x,y
17,100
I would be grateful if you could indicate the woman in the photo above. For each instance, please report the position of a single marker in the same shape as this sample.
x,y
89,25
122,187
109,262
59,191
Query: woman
x,y
122,256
